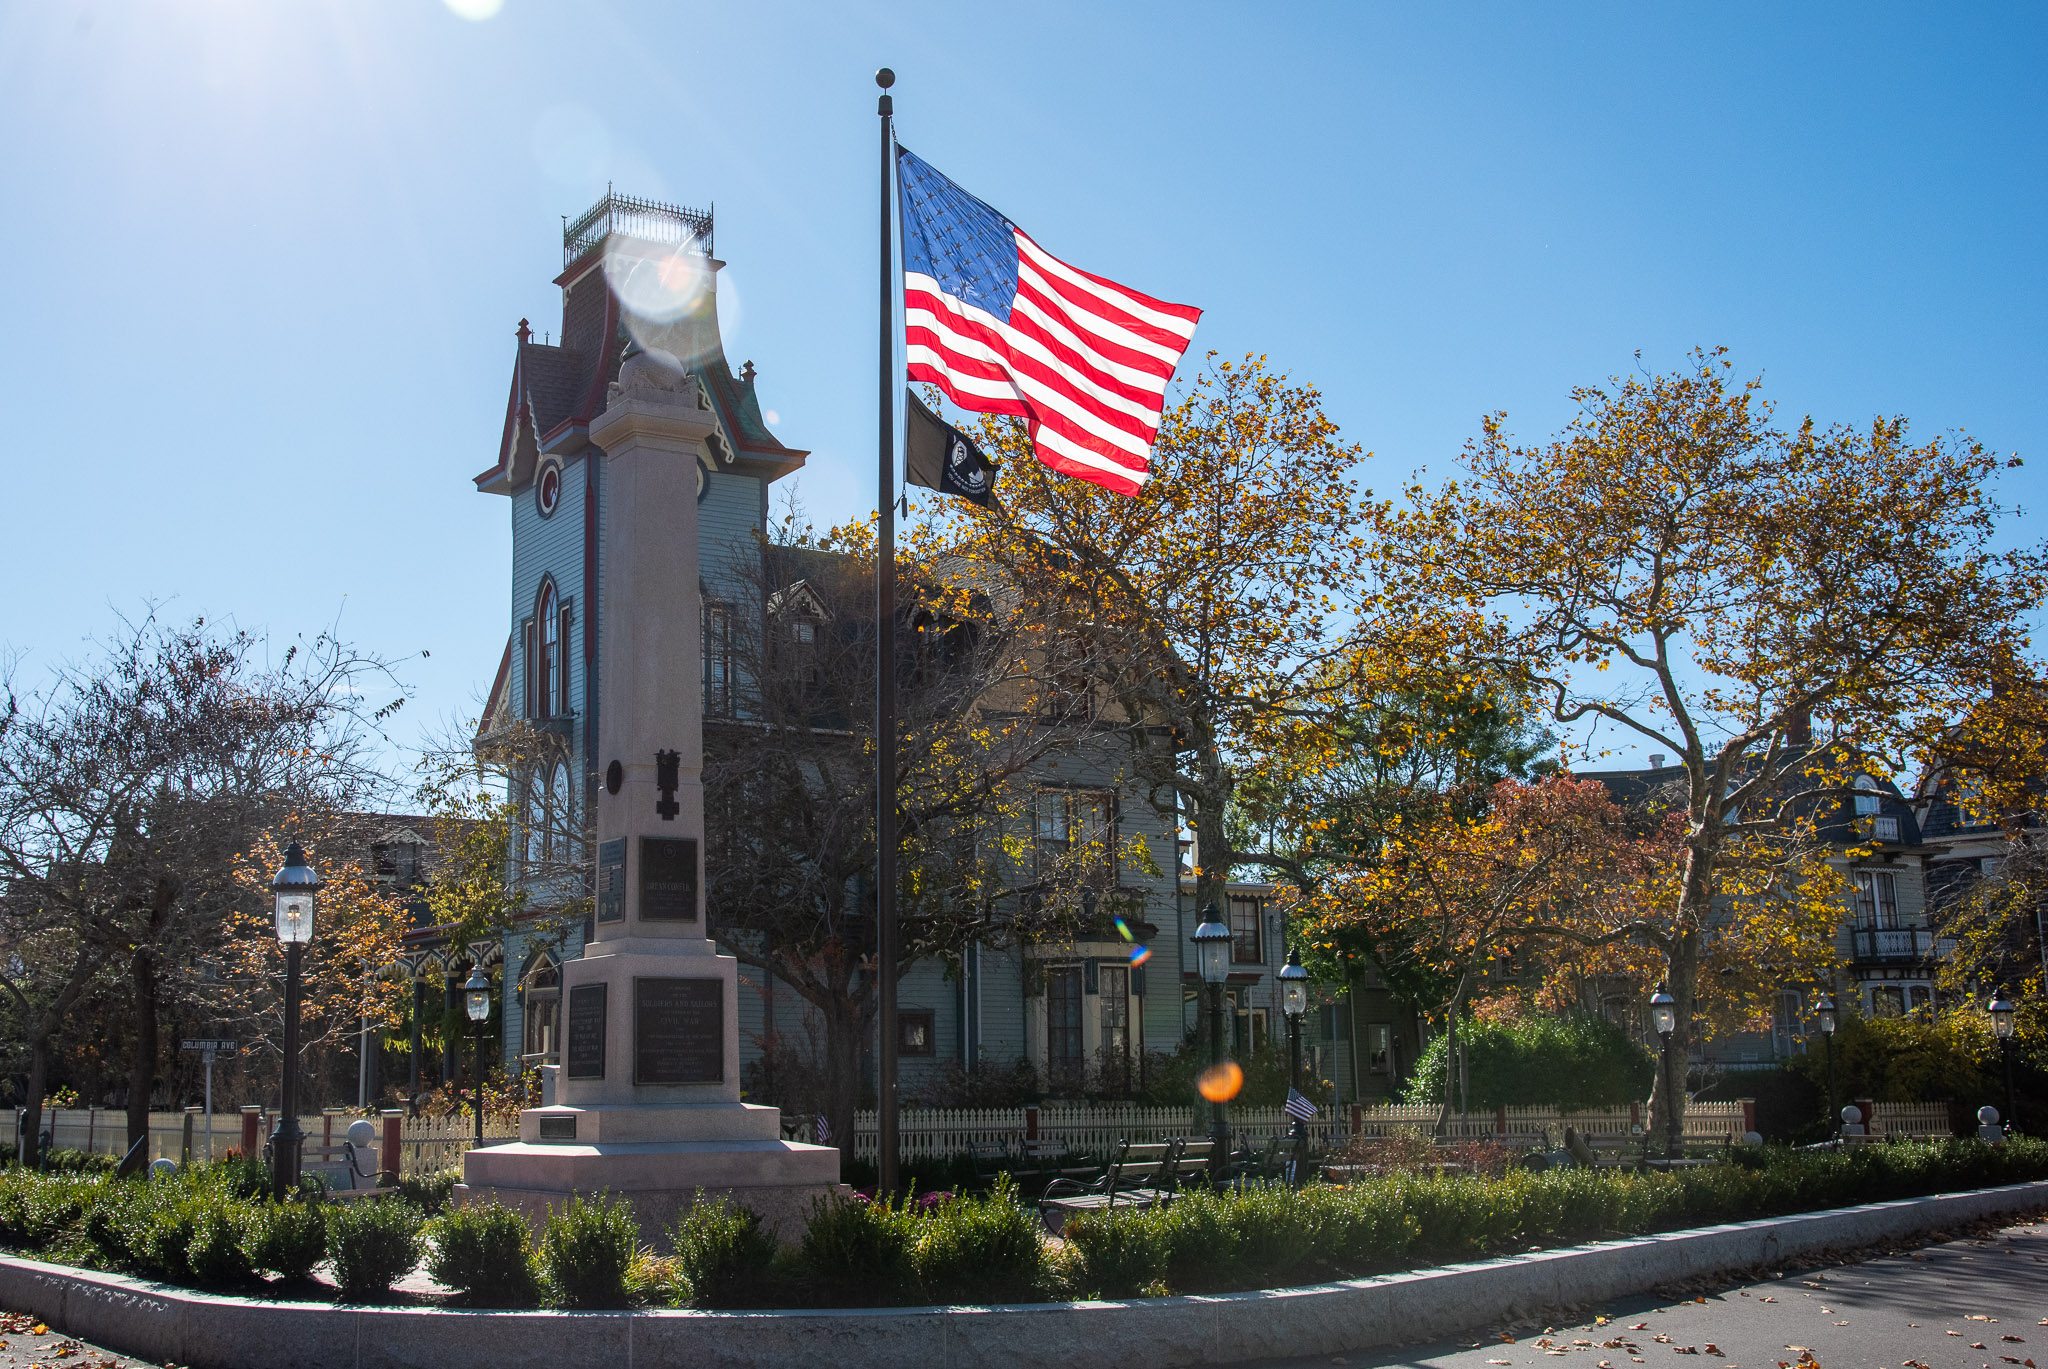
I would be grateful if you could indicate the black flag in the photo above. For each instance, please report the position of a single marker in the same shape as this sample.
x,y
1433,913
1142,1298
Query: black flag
x,y
940,457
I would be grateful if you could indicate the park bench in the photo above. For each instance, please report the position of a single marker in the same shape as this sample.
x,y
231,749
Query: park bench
x,y
1143,1175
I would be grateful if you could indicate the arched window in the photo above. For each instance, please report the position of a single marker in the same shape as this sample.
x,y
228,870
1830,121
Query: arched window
x,y
546,660
541,988
536,820
562,815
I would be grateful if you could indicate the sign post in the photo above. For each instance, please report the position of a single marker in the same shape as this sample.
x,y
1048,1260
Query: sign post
x,y
208,1048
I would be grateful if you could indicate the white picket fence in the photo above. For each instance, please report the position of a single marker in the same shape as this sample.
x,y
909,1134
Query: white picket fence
x,y
940,1133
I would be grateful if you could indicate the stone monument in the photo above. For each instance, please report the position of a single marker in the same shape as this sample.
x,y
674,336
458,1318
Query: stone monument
x,y
647,1099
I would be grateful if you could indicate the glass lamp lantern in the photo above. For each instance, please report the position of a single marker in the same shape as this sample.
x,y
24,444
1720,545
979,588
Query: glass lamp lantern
x,y
1293,985
476,994
1212,947
1824,1010
2003,1013
1663,1012
295,885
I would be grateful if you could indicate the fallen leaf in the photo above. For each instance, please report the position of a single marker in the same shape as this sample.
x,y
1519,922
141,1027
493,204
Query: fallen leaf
x,y
1978,1345
1976,1316
1500,1361
1661,1338
1713,1349
1770,1299
1644,1326
2021,1339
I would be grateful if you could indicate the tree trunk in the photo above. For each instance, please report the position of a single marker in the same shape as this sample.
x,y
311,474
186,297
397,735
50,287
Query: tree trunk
x,y
843,1039
38,1081
142,1063
1667,1099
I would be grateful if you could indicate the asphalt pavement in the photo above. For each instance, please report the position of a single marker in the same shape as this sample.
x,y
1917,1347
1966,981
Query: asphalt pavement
x,y
1979,1303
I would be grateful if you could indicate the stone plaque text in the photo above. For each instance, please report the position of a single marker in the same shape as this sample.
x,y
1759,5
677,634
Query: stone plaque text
x,y
611,880
586,1031
678,1031
668,879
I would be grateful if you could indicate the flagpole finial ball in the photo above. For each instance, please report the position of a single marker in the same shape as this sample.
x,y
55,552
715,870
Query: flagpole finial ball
x,y
885,78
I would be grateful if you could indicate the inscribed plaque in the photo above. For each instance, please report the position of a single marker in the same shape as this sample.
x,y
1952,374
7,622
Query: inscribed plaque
x,y
586,1031
668,879
678,1031
611,880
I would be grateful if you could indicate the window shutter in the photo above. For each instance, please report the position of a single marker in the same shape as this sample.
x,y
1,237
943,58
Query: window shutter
x,y
562,666
526,665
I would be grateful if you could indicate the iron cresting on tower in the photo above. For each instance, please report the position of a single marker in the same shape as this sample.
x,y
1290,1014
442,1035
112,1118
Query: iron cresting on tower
x,y
647,1100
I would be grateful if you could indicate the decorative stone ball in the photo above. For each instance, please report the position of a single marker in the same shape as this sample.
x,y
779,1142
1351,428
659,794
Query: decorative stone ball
x,y
1988,1115
162,1169
362,1134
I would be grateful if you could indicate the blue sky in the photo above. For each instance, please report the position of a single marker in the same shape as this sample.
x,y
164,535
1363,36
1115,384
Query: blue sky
x,y
267,256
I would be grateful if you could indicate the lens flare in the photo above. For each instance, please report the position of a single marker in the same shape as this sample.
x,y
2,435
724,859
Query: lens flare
x,y
476,11
1220,1083
1140,954
1123,929
657,282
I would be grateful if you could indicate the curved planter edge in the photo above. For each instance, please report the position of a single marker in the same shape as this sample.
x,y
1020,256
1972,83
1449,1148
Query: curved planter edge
x,y
157,1322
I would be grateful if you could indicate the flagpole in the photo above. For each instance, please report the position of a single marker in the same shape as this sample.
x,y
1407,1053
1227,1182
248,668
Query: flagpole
x,y
885,685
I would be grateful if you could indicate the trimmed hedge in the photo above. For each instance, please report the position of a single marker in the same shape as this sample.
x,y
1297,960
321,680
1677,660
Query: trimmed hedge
x,y
1269,1237
1574,1063
199,1228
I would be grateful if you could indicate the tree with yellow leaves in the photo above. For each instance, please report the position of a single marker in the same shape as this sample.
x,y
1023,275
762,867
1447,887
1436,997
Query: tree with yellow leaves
x,y
1206,609
1779,610
1468,889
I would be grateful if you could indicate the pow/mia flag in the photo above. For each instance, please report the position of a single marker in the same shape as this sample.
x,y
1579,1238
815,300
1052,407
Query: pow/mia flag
x,y
940,457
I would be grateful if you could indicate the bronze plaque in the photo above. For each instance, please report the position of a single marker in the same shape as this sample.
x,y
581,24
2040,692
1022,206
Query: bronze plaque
x,y
554,1127
586,1031
611,880
668,879
678,1031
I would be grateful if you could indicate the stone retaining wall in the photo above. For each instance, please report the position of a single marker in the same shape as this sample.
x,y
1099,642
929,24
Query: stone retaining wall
x,y
154,1322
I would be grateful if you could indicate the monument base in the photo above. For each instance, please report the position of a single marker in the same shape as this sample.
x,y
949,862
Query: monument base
x,y
659,1178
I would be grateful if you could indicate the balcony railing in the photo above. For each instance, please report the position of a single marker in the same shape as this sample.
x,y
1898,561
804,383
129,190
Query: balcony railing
x,y
1889,944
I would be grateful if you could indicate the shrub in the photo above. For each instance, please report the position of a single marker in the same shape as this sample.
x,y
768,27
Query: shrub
x,y
288,1238
1572,1063
430,1192
485,1253
859,1249
241,1176
1115,1254
375,1242
722,1255
586,1252
182,1230
984,1248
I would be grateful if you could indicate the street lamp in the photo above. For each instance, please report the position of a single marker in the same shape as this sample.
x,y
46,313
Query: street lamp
x,y
1664,1021
2003,1015
294,885
476,1000
1824,1009
1294,1002
1212,951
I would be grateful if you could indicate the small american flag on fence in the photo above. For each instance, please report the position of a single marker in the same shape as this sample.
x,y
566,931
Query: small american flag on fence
x,y
822,1129
1004,327
1298,1106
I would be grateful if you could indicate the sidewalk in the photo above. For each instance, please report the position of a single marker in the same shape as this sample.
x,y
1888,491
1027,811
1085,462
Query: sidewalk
x,y
1968,1304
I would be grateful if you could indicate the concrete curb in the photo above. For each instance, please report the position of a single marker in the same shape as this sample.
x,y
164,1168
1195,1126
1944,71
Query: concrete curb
x,y
155,1322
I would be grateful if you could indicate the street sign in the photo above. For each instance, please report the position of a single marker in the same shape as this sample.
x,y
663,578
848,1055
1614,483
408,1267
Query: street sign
x,y
222,1047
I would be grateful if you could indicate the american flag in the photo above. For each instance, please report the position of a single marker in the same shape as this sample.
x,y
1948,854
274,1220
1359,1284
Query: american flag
x,y
822,1129
1002,326
1298,1106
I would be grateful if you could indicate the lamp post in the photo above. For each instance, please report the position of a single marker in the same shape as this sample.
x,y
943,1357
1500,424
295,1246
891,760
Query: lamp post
x,y
1664,1021
1212,948
1294,1002
1824,1010
476,1000
294,886
2003,1018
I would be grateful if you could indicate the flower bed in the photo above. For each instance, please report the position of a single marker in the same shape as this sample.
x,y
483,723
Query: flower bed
x,y
212,1228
